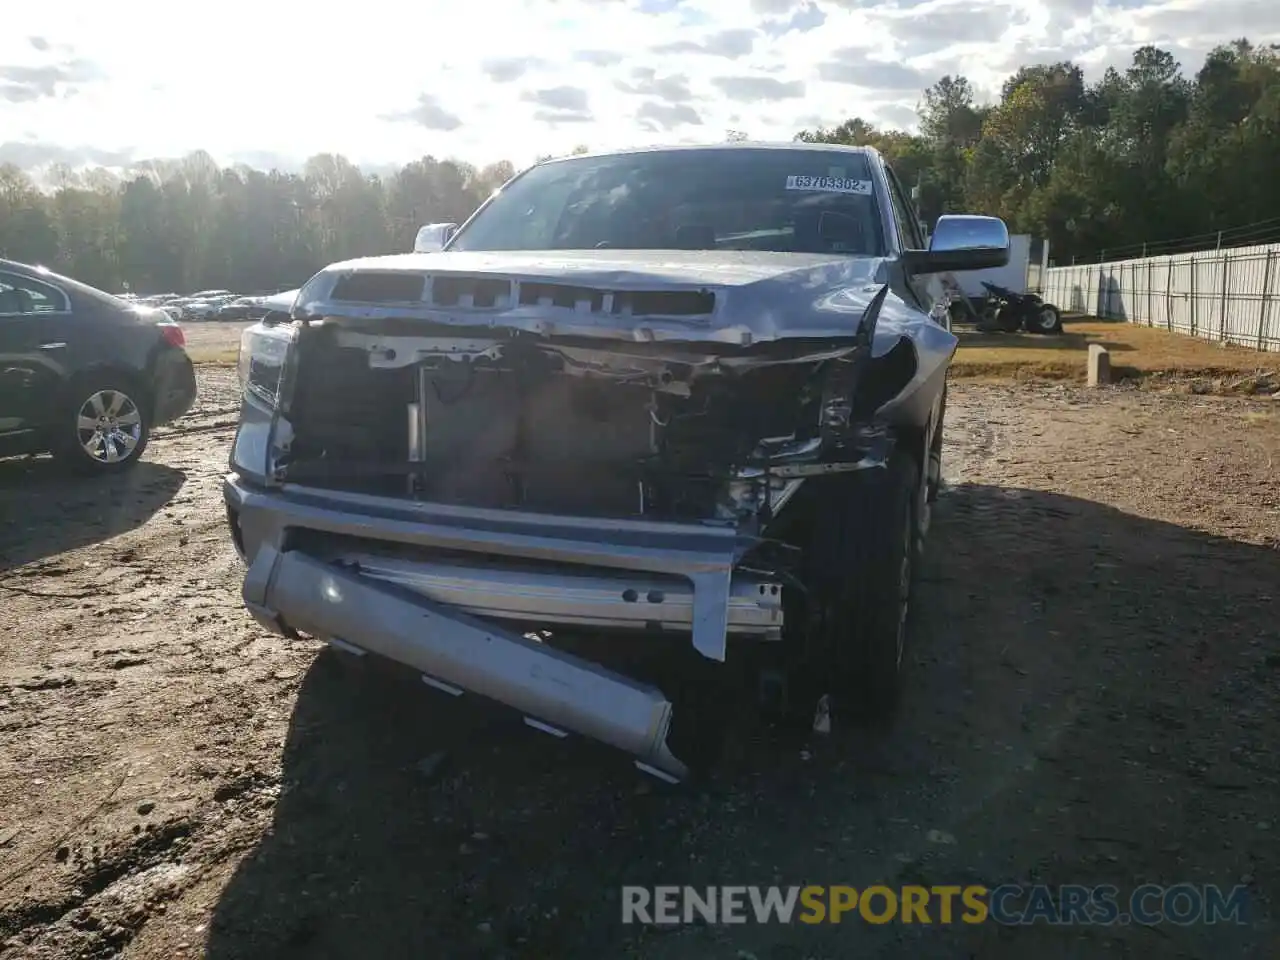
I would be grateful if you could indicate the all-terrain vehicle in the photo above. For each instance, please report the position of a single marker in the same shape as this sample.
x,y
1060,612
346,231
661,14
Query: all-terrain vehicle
x,y
1009,312
693,391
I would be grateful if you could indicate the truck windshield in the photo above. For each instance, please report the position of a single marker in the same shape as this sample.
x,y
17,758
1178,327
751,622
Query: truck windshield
x,y
802,201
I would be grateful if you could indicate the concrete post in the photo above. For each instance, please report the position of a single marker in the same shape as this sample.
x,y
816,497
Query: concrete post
x,y
1099,365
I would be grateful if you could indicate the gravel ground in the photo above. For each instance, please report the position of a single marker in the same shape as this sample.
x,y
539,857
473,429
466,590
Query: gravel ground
x,y
1092,699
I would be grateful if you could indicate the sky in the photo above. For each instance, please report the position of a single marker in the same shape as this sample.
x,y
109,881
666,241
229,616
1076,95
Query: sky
x,y
271,82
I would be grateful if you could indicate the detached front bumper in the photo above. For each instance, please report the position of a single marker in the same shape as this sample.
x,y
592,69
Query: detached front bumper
x,y
358,570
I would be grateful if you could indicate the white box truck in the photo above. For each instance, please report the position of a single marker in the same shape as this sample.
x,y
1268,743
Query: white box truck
x,y
1012,276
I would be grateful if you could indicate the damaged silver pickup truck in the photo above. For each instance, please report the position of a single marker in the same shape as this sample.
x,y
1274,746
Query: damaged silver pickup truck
x,y
693,391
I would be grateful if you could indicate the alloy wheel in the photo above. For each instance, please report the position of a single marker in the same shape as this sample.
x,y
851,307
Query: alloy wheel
x,y
109,426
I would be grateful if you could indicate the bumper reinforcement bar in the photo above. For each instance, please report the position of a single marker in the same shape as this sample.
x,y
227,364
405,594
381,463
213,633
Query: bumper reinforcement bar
x,y
572,596
556,691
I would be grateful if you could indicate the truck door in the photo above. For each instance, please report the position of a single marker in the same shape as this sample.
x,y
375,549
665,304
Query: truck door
x,y
927,289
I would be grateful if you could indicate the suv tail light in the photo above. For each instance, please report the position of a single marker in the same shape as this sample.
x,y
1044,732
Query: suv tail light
x,y
173,335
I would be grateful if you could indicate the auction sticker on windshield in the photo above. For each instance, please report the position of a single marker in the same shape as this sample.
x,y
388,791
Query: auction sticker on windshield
x,y
829,184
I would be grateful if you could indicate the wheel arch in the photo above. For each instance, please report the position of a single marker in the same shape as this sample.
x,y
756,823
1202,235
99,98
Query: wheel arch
x,y
103,372
920,438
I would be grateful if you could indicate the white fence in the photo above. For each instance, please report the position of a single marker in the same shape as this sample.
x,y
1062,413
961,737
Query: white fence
x,y
1227,295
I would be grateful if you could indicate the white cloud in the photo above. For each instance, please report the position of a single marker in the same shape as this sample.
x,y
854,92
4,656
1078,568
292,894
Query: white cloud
x,y
732,44
654,115
512,79
427,113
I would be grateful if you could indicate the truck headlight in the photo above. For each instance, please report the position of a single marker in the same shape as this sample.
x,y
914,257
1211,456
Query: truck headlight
x,y
261,362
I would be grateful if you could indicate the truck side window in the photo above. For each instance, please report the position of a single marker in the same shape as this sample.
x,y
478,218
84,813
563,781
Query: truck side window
x,y
904,213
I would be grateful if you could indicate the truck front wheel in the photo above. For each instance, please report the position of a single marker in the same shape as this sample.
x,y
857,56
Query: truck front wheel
x,y
862,561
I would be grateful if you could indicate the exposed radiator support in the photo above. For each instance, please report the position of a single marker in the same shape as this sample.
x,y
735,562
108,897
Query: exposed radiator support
x,y
417,428
415,443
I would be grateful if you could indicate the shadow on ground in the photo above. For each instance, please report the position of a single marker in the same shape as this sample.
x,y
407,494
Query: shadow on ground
x,y
45,511
1091,700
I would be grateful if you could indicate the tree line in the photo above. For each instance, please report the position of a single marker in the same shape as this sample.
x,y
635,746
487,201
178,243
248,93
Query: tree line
x,y
1145,159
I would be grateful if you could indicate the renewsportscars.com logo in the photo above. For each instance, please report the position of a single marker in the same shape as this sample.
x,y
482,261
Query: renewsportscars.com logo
x,y
1182,904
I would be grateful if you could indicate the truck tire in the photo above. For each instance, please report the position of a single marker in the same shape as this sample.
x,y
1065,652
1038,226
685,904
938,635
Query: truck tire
x,y
933,476
862,568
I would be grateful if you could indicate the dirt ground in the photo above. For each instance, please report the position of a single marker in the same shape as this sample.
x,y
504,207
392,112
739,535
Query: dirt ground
x,y
1092,698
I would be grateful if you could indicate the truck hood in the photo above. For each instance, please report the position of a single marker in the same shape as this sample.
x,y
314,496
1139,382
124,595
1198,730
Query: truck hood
x,y
734,298
729,268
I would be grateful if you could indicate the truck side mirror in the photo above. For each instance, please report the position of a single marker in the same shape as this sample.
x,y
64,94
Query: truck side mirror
x,y
433,236
961,243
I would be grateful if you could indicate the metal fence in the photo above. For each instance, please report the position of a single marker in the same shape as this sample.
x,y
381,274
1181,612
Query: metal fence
x,y
1226,295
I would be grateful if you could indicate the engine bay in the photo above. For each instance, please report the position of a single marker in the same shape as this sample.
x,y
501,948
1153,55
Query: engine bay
x,y
625,431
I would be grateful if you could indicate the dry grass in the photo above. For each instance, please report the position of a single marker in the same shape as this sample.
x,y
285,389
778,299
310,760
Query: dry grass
x,y
1137,353
213,342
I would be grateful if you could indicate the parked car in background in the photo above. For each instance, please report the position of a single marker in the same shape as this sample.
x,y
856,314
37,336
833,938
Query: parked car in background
x,y
85,375
275,309
206,305
193,309
241,308
206,308
158,299
179,307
